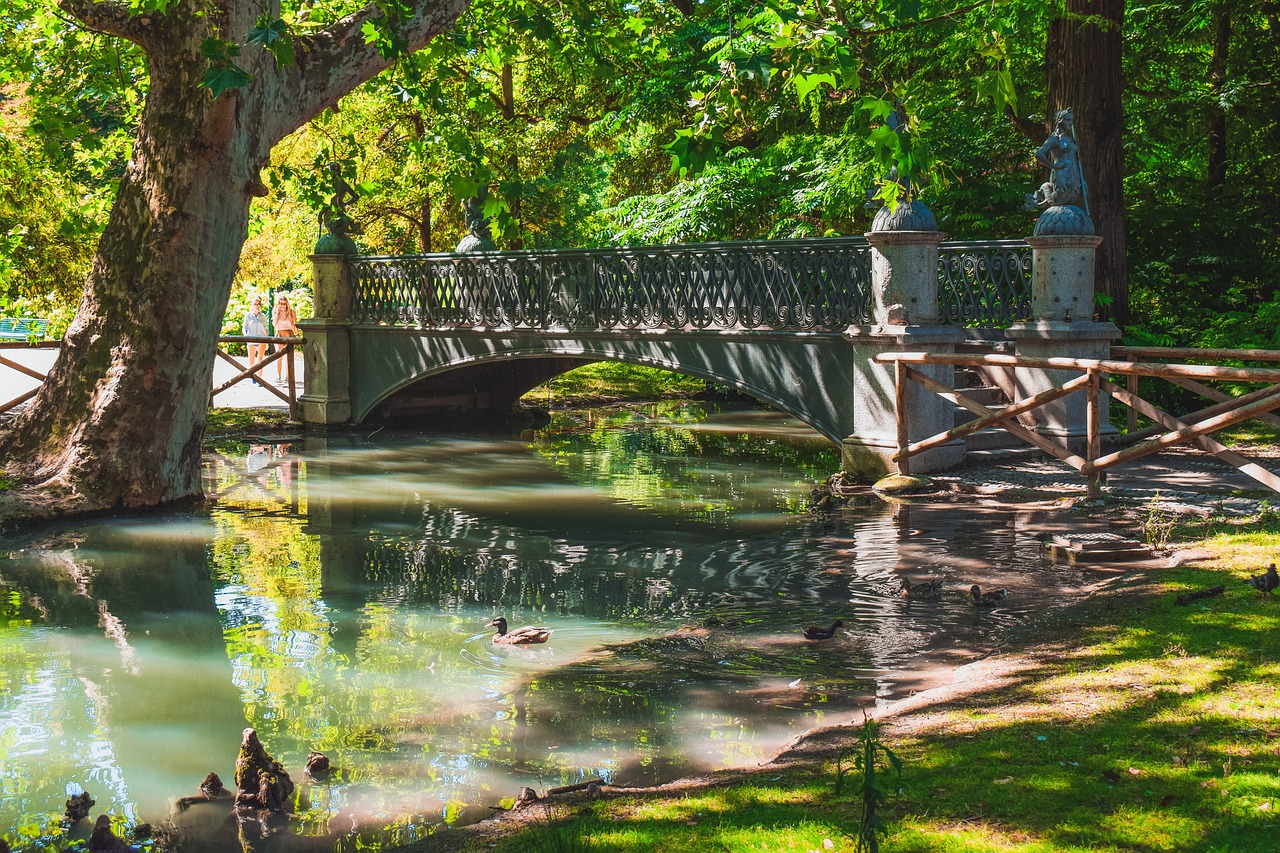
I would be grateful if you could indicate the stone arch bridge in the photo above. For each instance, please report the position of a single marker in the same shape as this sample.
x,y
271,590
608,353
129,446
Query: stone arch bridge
x,y
450,339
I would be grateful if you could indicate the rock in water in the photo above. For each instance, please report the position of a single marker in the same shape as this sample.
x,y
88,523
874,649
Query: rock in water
x,y
103,839
261,781
78,806
317,765
211,786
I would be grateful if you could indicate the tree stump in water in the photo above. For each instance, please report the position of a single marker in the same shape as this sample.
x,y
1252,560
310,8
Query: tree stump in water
x,y
211,786
78,806
103,839
261,781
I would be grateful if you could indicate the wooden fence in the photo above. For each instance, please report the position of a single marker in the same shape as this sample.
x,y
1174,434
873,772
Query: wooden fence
x,y
285,350
1194,428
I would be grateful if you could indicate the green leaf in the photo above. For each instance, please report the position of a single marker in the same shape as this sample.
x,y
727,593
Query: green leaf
x,y
807,83
221,79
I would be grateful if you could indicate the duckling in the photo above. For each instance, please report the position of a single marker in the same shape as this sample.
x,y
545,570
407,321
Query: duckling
x,y
526,636
986,599
924,589
1267,581
815,633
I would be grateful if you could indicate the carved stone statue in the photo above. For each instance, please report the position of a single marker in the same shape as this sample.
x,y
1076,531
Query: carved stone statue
x,y
1064,197
478,238
338,225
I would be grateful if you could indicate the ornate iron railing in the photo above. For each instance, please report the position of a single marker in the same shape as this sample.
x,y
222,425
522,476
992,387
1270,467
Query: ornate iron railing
x,y
784,284
986,284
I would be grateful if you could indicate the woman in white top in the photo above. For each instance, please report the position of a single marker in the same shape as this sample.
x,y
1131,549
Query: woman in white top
x,y
255,326
285,319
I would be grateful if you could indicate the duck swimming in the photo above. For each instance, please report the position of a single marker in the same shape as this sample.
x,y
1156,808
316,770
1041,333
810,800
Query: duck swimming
x,y
816,633
987,599
924,589
526,636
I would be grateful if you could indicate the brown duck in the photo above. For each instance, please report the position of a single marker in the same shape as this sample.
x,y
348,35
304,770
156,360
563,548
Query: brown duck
x,y
813,632
526,636
924,589
987,599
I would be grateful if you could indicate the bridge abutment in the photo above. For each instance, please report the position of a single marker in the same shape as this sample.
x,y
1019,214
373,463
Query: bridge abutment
x,y
1062,287
905,318
327,356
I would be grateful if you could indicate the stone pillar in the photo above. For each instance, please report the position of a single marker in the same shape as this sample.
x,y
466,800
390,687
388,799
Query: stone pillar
x,y
326,397
905,318
1062,326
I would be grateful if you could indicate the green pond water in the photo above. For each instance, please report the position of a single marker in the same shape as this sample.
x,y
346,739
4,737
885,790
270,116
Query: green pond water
x,y
334,596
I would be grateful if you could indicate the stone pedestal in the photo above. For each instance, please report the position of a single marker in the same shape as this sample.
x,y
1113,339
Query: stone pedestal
x,y
1067,417
327,354
1062,277
866,453
1062,305
905,315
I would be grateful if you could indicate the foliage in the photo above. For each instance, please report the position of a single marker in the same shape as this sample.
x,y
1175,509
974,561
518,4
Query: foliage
x,y
872,793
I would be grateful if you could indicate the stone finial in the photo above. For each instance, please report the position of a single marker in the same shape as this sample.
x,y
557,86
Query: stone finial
x,y
1064,198
478,238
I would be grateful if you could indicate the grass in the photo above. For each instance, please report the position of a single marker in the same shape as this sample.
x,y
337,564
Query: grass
x,y
224,422
1128,723
610,382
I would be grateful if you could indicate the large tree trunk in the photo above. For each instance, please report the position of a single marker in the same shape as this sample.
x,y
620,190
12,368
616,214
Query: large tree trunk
x,y
1083,59
1216,174
119,421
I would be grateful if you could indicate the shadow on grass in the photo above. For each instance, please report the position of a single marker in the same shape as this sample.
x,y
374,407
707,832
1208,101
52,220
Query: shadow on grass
x,y
1144,726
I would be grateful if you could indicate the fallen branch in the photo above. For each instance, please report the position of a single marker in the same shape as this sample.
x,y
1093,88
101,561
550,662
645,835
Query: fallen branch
x,y
1188,597
569,789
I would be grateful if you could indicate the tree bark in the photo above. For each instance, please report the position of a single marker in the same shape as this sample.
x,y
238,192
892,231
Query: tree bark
x,y
119,422
1083,60
1216,174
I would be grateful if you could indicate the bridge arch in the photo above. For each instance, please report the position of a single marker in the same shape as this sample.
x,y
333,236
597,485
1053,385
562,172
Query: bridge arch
x,y
405,373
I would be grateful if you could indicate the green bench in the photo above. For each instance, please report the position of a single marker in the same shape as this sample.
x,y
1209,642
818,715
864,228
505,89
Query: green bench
x,y
22,328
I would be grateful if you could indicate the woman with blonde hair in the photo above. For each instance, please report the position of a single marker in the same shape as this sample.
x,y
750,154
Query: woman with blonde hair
x,y
285,319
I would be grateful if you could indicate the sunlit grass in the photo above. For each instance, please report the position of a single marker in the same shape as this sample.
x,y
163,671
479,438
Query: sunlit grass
x,y
611,381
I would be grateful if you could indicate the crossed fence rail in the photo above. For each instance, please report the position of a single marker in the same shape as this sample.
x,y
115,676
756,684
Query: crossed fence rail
x,y
778,284
285,348
1167,430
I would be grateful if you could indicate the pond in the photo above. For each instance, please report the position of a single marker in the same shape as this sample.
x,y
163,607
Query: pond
x,y
335,594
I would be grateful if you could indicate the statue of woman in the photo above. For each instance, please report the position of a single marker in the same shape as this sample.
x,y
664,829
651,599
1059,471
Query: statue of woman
x,y
1062,156
337,220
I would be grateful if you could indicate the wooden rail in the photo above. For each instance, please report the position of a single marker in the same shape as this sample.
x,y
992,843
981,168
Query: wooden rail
x,y
284,349
1191,429
287,346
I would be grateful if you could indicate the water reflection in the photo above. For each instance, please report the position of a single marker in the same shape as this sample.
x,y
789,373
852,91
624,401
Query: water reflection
x,y
335,598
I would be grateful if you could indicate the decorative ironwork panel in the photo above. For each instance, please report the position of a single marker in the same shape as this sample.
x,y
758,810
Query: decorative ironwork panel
x,y
984,284
780,285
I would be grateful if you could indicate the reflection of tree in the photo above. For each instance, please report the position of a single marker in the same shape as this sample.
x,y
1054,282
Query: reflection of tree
x,y
685,466
129,692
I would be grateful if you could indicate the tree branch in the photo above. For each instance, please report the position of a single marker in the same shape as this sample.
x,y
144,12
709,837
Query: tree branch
x,y
337,59
109,17
1032,130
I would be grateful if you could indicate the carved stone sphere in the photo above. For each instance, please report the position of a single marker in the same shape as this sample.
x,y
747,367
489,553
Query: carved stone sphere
x,y
1064,219
907,216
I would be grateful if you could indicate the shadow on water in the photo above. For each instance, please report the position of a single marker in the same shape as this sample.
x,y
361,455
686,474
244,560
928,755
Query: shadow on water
x,y
335,598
